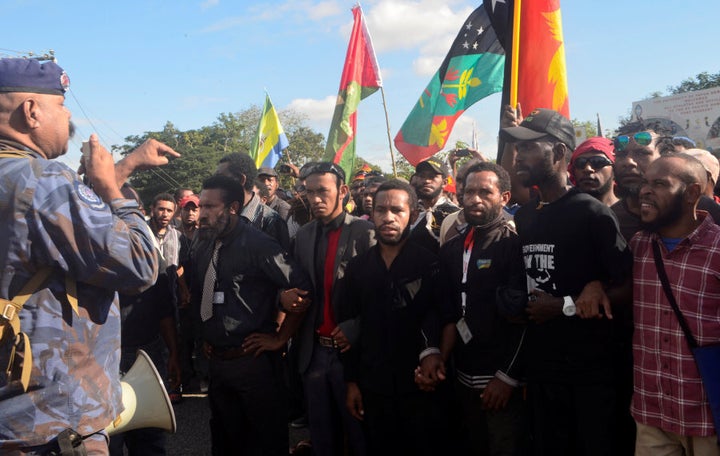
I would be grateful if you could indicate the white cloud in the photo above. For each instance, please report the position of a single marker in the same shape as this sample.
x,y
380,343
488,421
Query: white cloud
x,y
319,112
322,10
403,24
207,4
427,25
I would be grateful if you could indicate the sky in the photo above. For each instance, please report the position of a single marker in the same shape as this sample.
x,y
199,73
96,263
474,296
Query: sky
x,y
136,65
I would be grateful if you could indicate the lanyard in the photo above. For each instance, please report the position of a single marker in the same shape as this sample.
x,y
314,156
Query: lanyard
x,y
467,251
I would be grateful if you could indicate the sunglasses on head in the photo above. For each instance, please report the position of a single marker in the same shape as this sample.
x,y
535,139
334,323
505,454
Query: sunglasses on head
x,y
322,168
642,138
596,162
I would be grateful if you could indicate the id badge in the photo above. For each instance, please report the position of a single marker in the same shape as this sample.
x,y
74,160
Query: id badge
x,y
219,297
464,331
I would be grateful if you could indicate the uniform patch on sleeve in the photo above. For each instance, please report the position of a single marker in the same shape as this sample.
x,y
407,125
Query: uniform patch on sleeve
x,y
88,196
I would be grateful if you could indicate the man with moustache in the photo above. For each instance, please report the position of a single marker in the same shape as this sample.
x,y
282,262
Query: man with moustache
x,y
239,272
574,257
636,147
392,290
323,247
670,403
591,171
482,270
429,179
78,245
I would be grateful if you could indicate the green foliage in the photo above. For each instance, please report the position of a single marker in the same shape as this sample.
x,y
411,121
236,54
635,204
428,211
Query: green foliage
x,y
201,149
702,81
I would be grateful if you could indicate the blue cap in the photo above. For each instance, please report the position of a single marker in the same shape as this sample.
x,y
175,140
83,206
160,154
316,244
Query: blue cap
x,y
29,75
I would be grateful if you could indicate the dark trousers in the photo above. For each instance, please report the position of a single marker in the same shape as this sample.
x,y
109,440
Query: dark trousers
x,y
248,406
493,433
328,415
572,420
147,441
404,424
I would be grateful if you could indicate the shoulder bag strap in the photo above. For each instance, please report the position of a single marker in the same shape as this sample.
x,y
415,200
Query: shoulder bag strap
x,y
670,297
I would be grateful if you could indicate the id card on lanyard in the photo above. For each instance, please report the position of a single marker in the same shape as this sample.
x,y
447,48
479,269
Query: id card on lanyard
x,y
461,325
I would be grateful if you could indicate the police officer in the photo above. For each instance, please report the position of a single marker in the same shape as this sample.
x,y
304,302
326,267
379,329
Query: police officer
x,y
89,242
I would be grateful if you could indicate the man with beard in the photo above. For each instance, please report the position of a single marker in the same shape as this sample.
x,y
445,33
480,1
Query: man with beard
x,y
392,290
323,247
590,169
79,245
636,147
240,166
670,403
475,265
236,279
429,179
573,256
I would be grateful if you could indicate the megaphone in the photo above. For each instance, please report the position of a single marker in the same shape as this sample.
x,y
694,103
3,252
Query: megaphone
x,y
145,400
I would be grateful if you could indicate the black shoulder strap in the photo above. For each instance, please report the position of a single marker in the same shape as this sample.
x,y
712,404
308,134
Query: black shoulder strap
x,y
669,294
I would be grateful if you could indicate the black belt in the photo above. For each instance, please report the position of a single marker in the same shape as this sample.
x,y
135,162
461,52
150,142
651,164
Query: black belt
x,y
226,353
327,341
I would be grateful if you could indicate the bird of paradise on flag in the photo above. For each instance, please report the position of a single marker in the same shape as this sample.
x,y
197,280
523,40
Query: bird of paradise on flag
x,y
360,78
472,70
538,78
270,139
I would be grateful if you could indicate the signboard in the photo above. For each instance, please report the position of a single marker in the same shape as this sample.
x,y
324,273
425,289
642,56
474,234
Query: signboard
x,y
692,114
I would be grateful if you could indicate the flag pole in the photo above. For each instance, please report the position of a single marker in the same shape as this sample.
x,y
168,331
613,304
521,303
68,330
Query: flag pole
x,y
387,122
515,54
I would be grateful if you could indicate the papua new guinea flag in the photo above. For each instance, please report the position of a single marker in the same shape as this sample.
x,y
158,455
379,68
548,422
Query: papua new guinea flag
x,y
472,70
542,73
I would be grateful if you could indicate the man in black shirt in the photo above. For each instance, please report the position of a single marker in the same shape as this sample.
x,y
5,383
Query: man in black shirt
x,y
392,291
481,272
239,271
573,254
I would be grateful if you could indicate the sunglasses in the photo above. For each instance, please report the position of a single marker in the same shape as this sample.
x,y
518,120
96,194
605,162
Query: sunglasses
x,y
596,162
643,138
322,168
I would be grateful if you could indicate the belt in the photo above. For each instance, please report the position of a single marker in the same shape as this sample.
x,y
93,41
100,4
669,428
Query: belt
x,y
226,353
327,342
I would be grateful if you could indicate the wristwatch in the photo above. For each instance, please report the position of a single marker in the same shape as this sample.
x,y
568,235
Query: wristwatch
x,y
568,306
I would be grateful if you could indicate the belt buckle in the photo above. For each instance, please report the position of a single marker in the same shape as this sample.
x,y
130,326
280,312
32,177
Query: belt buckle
x,y
327,342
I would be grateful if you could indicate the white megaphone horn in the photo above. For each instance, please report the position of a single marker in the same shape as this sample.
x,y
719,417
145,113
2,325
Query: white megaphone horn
x,y
145,400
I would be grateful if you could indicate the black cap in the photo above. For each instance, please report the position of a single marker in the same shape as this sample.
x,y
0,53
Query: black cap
x,y
265,171
435,165
542,122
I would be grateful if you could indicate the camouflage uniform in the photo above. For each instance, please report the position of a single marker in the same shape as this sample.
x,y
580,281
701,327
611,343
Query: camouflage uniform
x,y
48,217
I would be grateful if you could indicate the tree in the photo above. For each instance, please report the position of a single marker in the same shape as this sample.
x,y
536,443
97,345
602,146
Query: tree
x,y
201,149
702,81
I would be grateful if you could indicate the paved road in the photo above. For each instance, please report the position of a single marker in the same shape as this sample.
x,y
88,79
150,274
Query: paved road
x,y
193,433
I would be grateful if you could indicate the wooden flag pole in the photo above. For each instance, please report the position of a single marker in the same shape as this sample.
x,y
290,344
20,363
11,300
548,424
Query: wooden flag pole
x,y
387,122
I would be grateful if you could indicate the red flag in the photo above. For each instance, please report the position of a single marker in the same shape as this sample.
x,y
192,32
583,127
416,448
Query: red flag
x,y
542,74
360,78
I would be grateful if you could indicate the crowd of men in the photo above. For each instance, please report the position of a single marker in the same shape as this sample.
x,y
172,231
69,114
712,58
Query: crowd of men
x,y
517,315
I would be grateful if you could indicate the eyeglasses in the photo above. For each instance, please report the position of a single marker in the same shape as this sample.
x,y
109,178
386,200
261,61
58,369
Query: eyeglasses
x,y
642,138
322,168
596,162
